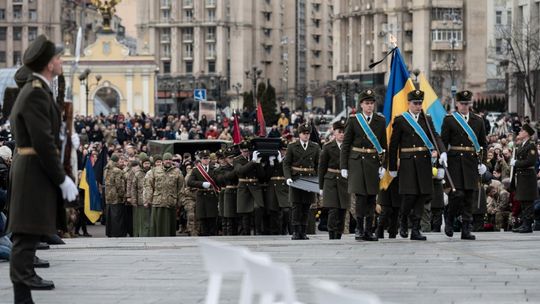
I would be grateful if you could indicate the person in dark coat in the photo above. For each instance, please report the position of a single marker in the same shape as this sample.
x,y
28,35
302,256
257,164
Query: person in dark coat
x,y
301,159
36,122
277,195
415,162
524,179
465,161
332,185
362,164
390,202
228,181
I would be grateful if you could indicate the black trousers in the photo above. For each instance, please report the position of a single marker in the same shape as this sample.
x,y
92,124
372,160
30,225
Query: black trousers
x,y
81,221
272,222
436,219
365,205
300,214
258,219
208,226
527,210
336,219
414,203
285,221
461,200
22,257
389,218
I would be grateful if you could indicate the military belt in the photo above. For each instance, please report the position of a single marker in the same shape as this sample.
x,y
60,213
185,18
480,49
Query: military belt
x,y
248,180
364,150
462,149
26,151
231,187
277,178
303,169
415,149
333,170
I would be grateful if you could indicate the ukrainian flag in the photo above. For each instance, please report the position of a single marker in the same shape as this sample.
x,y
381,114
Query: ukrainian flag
x,y
92,198
432,105
395,102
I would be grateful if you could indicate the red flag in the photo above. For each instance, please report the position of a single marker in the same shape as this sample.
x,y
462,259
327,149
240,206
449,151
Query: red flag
x,y
237,137
260,120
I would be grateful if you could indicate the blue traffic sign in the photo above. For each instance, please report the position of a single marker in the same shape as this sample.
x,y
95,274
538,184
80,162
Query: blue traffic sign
x,y
199,94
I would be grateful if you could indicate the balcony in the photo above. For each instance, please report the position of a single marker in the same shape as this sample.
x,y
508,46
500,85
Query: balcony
x,y
210,4
446,46
210,37
187,38
165,39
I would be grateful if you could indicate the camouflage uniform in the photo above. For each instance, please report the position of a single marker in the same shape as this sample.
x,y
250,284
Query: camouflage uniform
x,y
162,188
130,211
115,192
188,200
141,213
498,207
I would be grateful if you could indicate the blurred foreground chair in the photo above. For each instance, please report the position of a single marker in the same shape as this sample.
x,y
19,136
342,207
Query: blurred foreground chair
x,y
330,292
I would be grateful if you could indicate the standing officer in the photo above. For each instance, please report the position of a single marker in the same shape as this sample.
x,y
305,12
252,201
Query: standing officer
x,y
301,159
141,219
202,178
228,181
524,180
332,185
115,193
464,134
411,137
362,155
189,202
278,191
35,123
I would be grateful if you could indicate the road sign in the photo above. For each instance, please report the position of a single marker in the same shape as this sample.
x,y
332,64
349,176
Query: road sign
x,y
199,94
453,89
309,102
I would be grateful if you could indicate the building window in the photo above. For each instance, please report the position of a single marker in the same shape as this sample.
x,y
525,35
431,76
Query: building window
x,y
211,50
2,14
2,56
17,12
211,33
188,50
317,22
32,15
267,16
188,14
267,32
210,2
509,18
189,67
442,13
2,33
32,33
316,6
166,67
498,17
212,15
211,66
317,38
498,46
446,35
188,3
165,3
166,51
17,57
17,33
187,34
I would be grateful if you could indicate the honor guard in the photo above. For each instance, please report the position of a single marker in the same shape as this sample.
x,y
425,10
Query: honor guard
x,y
464,135
228,181
361,159
333,186
412,142
301,160
218,170
277,195
524,179
202,178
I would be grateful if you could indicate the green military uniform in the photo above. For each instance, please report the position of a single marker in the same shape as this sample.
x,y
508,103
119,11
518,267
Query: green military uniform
x,y
207,198
115,195
129,173
335,195
189,201
524,181
277,195
162,188
415,165
228,181
463,165
142,213
35,123
301,160
360,157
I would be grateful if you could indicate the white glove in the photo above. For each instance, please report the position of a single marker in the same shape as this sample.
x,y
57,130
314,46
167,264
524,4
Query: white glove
x,y
393,173
69,190
75,141
206,185
271,160
289,181
443,159
482,169
320,192
279,156
440,173
513,162
344,173
382,171
255,157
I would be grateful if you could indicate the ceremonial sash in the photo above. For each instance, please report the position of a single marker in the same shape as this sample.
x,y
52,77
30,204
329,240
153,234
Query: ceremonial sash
x,y
470,133
370,135
418,129
208,178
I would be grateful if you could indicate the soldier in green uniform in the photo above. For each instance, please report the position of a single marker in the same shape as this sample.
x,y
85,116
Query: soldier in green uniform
x,y
35,123
189,200
129,173
202,178
412,139
115,195
249,201
332,185
301,159
361,161
228,181
162,188
141,219
464,134
524,180
277,194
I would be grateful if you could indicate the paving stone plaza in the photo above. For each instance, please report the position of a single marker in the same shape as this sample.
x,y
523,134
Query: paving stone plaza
x,y
497,268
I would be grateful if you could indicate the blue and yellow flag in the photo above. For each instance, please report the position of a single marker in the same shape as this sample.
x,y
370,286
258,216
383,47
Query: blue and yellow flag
x,y
432,104
92,198
395,102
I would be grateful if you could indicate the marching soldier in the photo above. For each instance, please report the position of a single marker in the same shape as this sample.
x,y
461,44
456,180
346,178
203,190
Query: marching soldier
x,y
162,189
250,196
277,196
524,180
301,159
141,213
411,137
202,178
361,159
115,192
332,185
463,133
228,181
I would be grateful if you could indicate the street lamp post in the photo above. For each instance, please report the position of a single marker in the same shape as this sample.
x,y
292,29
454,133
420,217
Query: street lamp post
x,y
455,18
254,74
83,78
237,86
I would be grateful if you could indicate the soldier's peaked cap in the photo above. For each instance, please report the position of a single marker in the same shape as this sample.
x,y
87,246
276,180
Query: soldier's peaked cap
x,y
464,96
40,52
304,128
528,129
415,95
367,94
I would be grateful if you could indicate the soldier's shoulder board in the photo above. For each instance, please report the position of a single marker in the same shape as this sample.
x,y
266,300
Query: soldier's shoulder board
x,y
36,84
476,116
380,115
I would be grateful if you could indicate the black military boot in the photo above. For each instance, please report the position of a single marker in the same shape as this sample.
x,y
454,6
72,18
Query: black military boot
x,y
331,235
404,227
368,230
337,236
303,234
39,263
416,235
296,233
22,294
466,231
379,232
449,226
359,231
526,227
537,225
518,229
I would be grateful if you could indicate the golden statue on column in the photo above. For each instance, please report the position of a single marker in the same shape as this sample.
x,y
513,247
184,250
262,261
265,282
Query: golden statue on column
x,y
107,10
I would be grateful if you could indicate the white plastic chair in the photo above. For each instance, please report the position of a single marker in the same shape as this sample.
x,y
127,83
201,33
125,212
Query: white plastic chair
x,y
330,292
268,280
220,259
